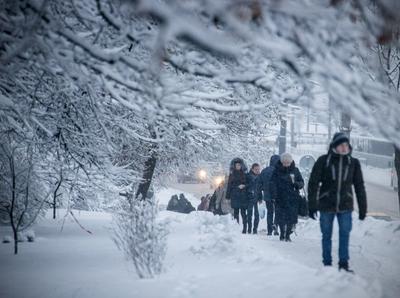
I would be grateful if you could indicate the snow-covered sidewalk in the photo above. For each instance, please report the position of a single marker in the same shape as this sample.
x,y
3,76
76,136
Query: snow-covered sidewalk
x,y
207,257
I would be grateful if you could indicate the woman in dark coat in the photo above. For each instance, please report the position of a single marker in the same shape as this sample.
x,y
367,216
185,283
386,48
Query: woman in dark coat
x,y
237,190
285,185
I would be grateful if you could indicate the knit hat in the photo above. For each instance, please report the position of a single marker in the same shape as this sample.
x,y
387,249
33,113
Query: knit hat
x,y
286,157
338,139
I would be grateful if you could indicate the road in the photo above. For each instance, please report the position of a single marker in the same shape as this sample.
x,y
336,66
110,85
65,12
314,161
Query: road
x,y
382,200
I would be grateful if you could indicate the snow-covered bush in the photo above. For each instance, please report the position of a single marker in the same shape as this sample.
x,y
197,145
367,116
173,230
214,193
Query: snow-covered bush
x,y
140,236
21,237
7,239
30,236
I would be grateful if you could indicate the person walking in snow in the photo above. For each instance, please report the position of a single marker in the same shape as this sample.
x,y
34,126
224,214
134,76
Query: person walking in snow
x,y
330,191
222,205
286,182
264,193
237,191
252,178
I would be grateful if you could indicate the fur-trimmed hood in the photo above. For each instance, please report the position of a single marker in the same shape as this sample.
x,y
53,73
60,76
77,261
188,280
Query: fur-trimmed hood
x,y
237,160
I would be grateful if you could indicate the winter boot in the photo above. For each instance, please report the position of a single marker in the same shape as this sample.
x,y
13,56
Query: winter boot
x,y
345,267
282,232
244,229
287,237
254,231
276,233
249,226
287,234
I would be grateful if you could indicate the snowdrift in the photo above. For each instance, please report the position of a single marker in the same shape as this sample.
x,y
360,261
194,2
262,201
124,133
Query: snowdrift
x,y
207,257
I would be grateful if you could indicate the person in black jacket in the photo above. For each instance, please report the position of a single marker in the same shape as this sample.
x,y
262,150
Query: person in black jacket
x,y
237,191
285,184
330,191
264,192
252,178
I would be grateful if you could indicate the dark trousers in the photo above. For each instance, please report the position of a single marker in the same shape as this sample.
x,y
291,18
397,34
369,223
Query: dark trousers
x,y
270,215
285,230
345,224
253,207
243,214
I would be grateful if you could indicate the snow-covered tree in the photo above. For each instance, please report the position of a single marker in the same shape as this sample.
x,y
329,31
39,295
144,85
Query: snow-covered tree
x,y
122,89
387,57
22,192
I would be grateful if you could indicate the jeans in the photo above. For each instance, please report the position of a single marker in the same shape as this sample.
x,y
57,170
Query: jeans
x,y
253,206
270,215
345,224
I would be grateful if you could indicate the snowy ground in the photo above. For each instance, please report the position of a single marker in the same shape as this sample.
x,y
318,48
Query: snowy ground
x,y
207,257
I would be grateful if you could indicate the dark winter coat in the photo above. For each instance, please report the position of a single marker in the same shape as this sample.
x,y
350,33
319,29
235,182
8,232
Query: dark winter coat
x,y
237,196
285,192
252,179
264,180
331,181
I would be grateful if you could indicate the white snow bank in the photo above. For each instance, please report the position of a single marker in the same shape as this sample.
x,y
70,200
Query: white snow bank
x,y
226,262
207,257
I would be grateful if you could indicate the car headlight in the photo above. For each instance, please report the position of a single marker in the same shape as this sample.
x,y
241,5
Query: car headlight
x,y
202,174
218,180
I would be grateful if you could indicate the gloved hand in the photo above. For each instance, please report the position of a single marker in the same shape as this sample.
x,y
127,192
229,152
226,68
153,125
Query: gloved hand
x,y
361,215
312,213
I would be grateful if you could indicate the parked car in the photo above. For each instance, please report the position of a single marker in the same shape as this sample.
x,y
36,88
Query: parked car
x,y
186,177
198,176
206,172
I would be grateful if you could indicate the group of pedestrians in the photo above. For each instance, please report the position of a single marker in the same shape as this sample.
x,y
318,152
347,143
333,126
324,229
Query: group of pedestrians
x,y
330,192
278,185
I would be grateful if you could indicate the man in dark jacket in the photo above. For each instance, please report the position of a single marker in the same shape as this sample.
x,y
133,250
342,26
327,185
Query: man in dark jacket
x,y
286,182
264,192
330,191
252,178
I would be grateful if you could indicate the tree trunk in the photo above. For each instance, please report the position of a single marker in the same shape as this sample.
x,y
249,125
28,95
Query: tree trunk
x,y
14,225
330,108
148,172
55,195
397,166
282,136
15,233
54,206
292,128
345,124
